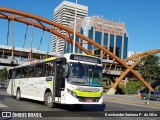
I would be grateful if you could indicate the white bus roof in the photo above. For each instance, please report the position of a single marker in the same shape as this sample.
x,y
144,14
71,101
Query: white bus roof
x,y
67,55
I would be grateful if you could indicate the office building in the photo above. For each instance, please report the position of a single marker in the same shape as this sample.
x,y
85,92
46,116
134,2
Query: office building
x,y
131,53
112,35
64,14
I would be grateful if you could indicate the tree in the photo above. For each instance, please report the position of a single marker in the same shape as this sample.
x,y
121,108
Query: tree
x,y
3,75
150,68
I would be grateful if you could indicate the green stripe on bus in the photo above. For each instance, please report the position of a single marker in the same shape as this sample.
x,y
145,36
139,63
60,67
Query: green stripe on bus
x,y
48,59
14,84
87,94
51,84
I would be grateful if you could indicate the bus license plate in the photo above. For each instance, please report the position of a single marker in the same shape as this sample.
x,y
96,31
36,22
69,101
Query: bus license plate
x,y
89,100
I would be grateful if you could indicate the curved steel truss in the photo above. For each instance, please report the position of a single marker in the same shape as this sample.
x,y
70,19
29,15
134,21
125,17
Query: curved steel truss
x,y
54,28
140,56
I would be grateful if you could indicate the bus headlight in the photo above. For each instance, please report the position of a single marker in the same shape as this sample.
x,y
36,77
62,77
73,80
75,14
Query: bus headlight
x,y
71,92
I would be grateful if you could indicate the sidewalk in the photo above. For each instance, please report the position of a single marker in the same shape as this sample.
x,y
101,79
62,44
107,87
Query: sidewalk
x,y
131,99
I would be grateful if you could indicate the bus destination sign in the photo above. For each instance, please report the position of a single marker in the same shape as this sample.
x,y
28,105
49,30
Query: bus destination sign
x,y
85,58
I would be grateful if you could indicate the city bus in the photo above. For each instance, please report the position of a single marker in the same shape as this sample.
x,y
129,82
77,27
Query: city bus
x,y
68,79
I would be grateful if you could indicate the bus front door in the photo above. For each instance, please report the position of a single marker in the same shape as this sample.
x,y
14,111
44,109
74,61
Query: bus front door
x,y
59,83
12,82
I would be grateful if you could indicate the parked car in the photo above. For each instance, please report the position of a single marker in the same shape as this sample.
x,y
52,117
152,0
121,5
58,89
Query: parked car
x,y
152,95
1,85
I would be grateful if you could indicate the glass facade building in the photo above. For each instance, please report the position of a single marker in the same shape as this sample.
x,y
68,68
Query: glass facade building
x,y
109,34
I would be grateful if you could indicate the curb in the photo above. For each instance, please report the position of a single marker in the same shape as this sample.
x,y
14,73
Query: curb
x,y
141,103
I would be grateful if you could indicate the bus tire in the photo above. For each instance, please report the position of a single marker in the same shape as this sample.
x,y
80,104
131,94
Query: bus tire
x,y
144,98
158,98
48,100
18,94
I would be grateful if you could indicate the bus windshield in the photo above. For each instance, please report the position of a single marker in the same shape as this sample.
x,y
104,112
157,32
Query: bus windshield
x,y
84,74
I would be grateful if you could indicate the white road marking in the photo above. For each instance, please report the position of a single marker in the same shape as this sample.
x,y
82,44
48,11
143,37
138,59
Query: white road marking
x,y
2,105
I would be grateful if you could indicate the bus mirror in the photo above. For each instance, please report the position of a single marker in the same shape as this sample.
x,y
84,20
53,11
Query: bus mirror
x,y
66,70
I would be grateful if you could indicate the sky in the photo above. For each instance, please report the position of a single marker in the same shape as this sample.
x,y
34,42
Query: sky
x,y
141,17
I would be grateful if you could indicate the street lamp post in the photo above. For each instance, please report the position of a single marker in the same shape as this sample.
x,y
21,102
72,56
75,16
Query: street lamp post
x,y
74,39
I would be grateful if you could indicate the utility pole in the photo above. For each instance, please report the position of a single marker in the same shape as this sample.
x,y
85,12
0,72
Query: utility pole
x,y
74,39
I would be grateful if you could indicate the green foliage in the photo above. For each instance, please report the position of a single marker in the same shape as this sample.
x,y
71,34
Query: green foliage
x,y
3,75
131,87
150,68
105,83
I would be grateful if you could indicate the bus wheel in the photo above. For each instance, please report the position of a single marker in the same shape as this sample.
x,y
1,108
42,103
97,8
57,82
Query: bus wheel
x,y
158,99
18,94
48,100
144,98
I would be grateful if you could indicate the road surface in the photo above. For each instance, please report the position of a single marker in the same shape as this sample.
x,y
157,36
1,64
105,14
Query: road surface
x,y
8,103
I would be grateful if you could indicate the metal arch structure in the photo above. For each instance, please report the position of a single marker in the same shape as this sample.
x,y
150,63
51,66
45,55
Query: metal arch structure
x,y
29,22
23,17
142,55
139,55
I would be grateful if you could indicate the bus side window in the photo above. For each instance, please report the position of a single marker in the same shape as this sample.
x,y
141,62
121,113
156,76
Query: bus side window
x,y
48,69
39,70
24,72
31,71
18,73
53,69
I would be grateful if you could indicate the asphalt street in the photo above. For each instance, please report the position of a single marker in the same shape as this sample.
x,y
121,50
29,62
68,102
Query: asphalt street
x,y
9,103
